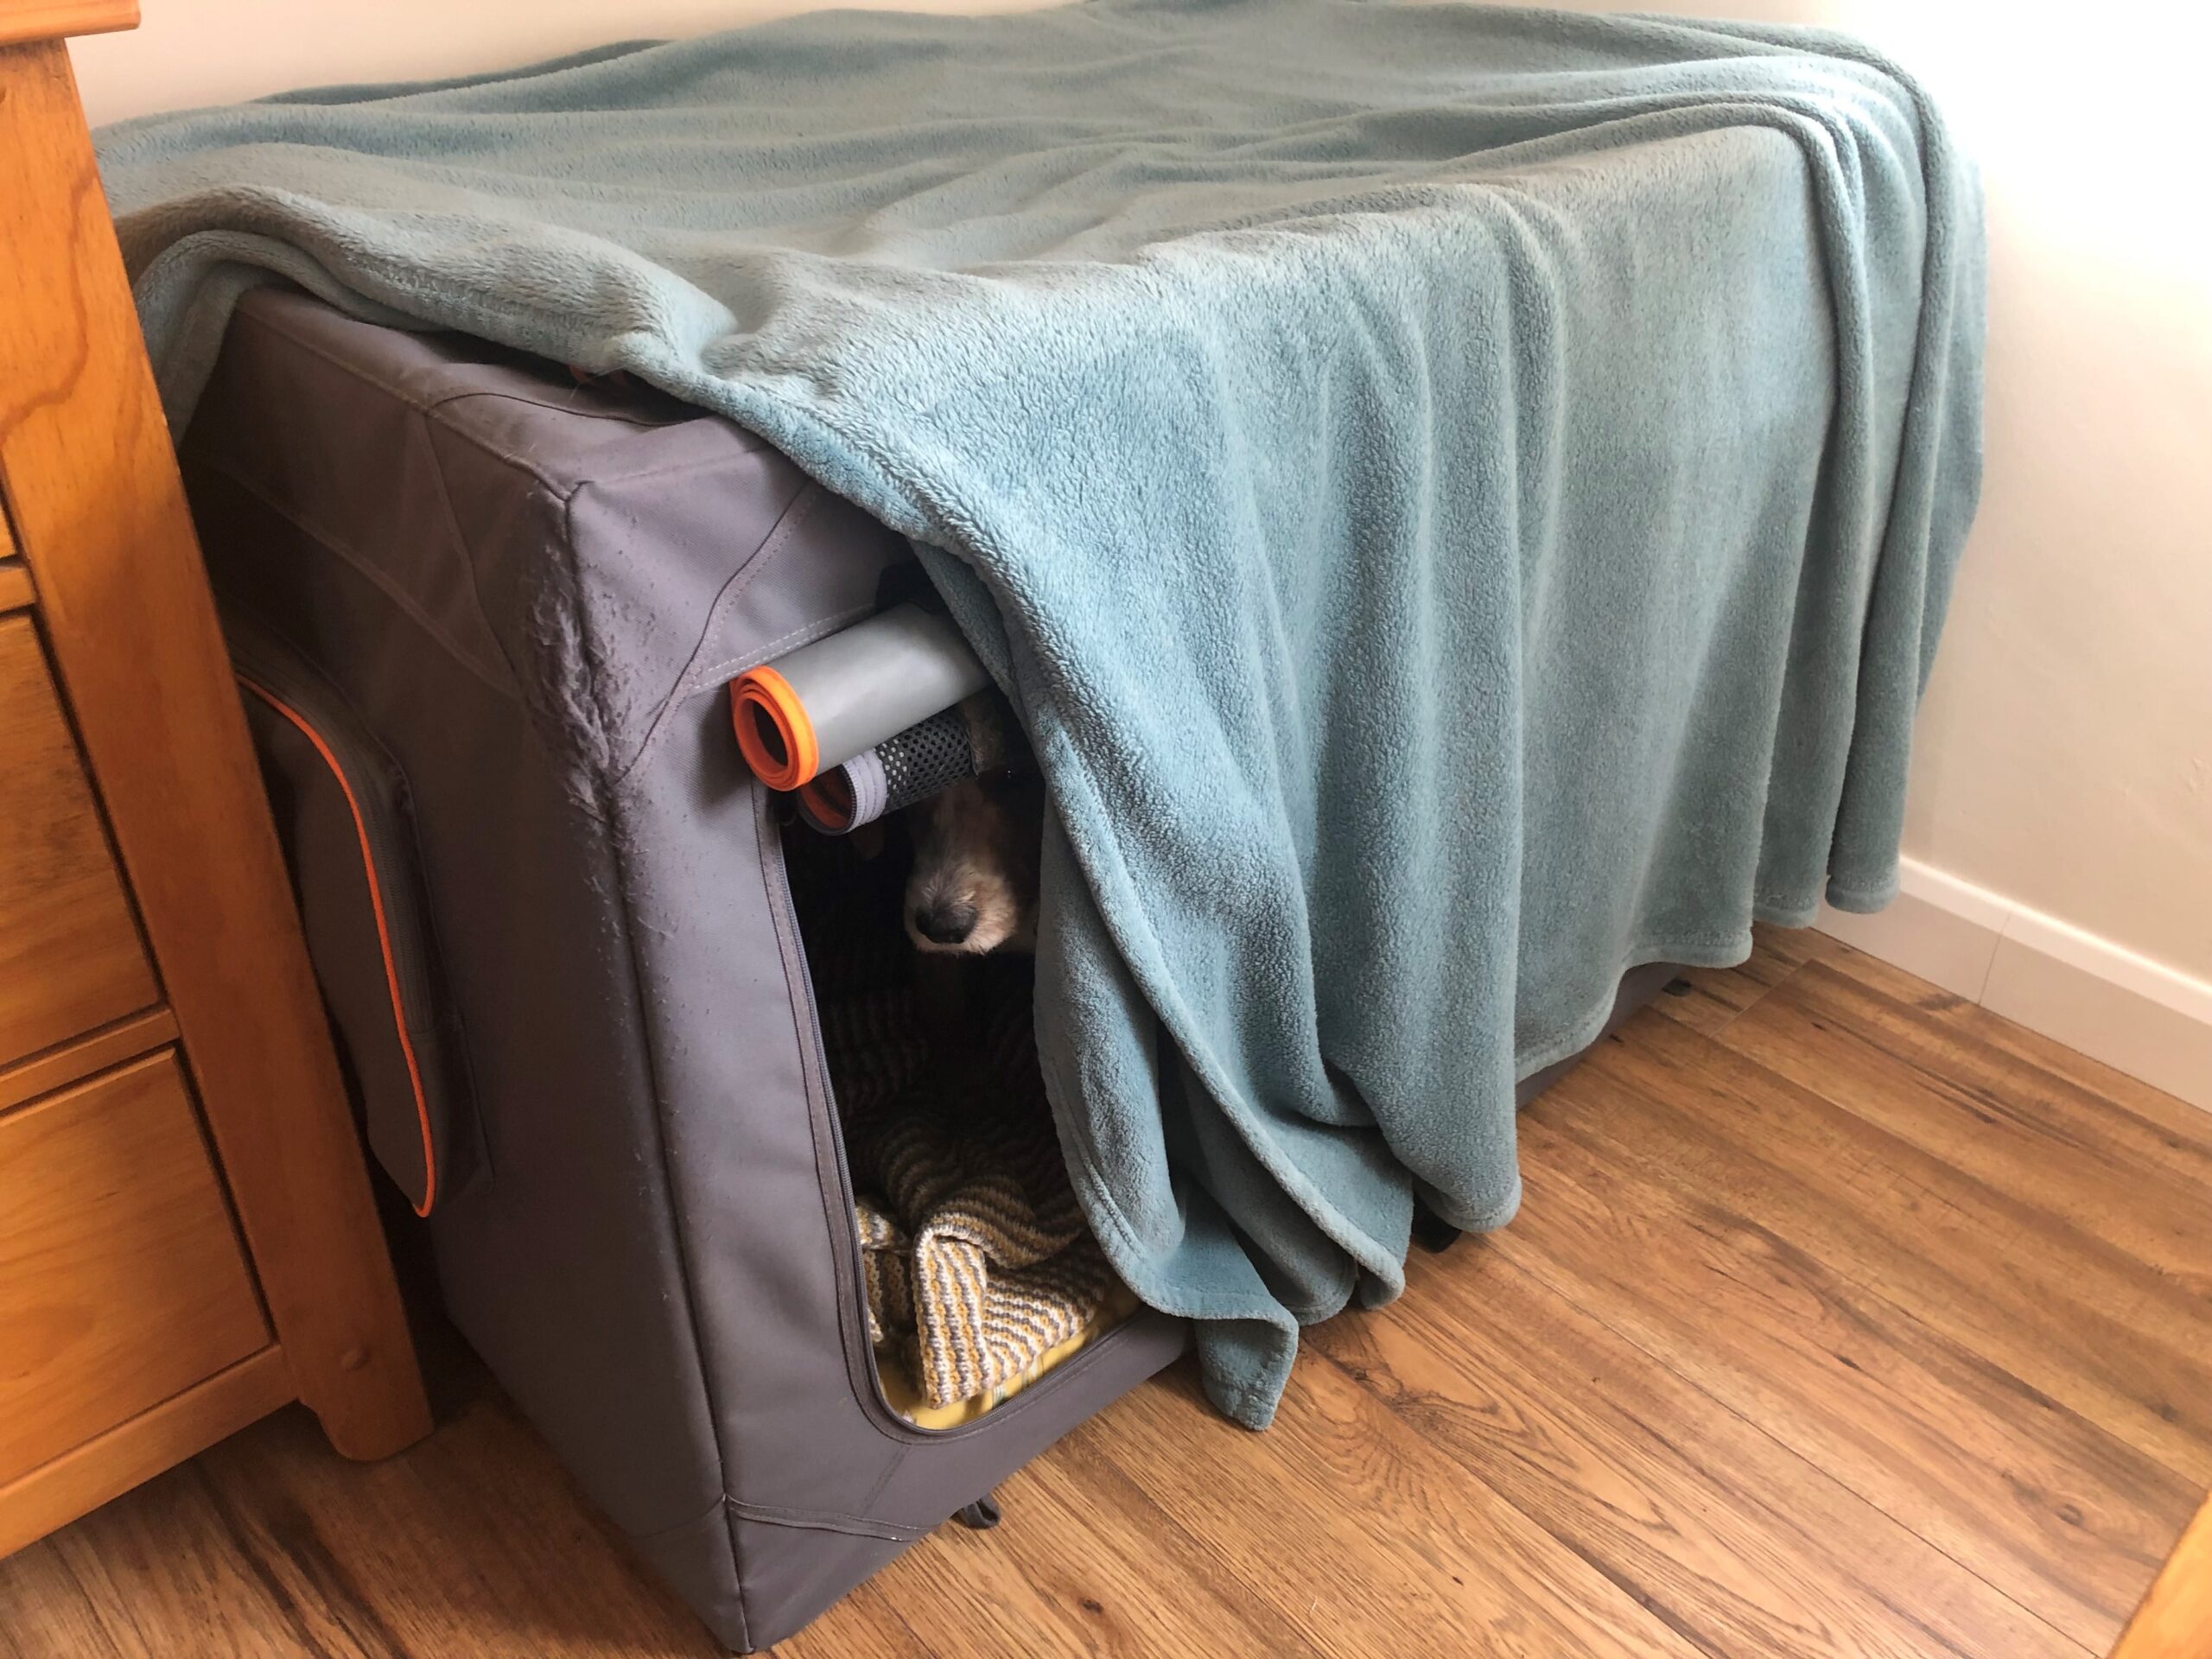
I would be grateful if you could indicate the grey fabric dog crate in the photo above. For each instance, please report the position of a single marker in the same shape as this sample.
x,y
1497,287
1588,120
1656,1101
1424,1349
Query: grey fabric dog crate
x,y
483,614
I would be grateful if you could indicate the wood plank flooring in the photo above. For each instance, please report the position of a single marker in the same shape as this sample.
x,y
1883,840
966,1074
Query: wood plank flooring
x,y
1842,1318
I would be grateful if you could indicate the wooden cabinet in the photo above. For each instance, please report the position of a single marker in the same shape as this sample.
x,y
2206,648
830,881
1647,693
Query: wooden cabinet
x,y
122,1281
186,1236
70,957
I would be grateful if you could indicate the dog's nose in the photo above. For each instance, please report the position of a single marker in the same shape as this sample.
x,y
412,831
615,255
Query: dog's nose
x,y
945,924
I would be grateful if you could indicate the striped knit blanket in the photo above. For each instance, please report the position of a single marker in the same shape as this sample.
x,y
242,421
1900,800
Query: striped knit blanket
x,y
977,1258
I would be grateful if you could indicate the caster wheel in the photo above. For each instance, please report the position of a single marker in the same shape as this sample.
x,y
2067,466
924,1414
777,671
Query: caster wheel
x,y
1432,1232
980,1516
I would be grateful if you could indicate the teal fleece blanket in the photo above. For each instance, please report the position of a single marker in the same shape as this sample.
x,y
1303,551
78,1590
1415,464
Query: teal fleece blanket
x,y
1462,499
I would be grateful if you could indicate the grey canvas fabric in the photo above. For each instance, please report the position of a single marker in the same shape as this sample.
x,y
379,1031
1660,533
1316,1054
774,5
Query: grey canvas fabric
x,y
656,1256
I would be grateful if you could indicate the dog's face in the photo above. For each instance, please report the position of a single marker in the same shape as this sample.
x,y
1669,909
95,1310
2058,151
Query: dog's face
x,y
974,885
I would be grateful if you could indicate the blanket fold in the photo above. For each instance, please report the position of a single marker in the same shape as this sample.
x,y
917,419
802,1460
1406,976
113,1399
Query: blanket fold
x,y
1462,501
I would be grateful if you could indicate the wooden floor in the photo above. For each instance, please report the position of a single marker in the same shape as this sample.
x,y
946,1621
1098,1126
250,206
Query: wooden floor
x,y
1842,1317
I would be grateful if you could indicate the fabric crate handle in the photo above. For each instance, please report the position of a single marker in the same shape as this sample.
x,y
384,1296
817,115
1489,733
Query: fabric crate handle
x,y
819,706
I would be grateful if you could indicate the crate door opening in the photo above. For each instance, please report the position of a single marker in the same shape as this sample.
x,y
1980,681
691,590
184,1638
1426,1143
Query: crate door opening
x,y
980,1274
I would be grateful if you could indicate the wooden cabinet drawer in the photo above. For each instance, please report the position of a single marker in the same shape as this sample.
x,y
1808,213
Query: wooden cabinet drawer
x,y
121,1279
70,955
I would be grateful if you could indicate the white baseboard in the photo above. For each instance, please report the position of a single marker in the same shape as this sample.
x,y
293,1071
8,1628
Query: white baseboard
x,y
2139,1016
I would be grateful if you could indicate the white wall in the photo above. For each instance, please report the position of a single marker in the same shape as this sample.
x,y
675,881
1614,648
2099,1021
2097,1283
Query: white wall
x,y
2065,759
190,51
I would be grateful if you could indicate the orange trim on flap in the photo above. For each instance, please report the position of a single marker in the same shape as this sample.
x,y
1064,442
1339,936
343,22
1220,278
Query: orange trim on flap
x,y
383,934
769,694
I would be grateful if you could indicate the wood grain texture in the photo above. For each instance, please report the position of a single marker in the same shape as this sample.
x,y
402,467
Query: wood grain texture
x,y
2062,1517
1423,1548
1748,1378
2056,1149
2175,1621
121,1281
1726,1534
92,488
58,1491
49,20
96,1050
2102,1335
17,587
70,955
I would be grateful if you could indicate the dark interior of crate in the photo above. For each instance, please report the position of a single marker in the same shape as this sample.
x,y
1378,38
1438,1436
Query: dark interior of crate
x,y
939,1051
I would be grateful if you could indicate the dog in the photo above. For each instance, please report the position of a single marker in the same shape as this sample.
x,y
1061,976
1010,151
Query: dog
x,y
973,888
